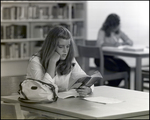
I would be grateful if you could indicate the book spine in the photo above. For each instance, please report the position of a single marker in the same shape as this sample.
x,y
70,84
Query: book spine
x,y
2,32
12,31
7,51
16,50
22,50
3,50
13,13
7,32
30,14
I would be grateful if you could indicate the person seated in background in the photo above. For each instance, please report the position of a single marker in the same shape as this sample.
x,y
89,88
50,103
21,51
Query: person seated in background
x,y
109,35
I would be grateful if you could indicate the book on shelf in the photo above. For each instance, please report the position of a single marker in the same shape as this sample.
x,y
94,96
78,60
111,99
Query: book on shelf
x,y
3,50
8,32
35,10
23,13
78,10
54,11
44,12
24,49
6,13
2,32
84,80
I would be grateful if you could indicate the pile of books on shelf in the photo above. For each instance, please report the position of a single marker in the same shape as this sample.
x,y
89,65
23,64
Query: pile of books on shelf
x,y
54,11
13,31
14,50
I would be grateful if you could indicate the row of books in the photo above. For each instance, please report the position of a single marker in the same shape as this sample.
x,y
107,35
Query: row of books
x,y
13,31
41,31
56,11
14,50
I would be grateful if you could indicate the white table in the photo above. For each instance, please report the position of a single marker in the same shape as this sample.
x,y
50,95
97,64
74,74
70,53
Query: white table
x,y
135,105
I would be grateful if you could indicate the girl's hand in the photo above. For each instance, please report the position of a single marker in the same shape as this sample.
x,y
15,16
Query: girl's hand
x,y
55,57
117,44
83,90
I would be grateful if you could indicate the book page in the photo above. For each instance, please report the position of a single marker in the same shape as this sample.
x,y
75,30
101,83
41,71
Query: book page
x,y
67,94
85,80
80,77
103,100
94,78
80,82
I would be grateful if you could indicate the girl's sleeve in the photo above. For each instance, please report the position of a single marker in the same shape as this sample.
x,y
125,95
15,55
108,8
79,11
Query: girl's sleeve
x,y
36,71
100,38
77,72
125,38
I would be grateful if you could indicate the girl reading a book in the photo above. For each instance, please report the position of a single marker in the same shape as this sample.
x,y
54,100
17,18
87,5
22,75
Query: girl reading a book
x,y
55,62
109,35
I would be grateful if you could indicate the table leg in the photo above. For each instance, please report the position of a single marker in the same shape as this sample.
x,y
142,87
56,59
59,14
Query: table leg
x,y
138,76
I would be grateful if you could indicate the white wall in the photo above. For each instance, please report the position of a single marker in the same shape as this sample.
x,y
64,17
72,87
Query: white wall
x,y
134,18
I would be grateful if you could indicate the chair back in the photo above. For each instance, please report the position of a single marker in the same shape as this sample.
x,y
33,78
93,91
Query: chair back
x,y
11,111
90,42
92,52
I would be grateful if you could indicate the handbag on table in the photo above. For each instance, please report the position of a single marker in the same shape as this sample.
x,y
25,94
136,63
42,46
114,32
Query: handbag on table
x,y
36,91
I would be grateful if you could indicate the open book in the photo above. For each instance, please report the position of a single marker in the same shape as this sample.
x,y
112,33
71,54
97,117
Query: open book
x,y
84,80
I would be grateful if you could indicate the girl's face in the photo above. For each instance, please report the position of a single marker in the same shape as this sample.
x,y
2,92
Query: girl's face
x,y
63,48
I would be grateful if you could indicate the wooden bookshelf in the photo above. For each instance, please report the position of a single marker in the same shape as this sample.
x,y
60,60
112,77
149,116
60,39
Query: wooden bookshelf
x,y
37,16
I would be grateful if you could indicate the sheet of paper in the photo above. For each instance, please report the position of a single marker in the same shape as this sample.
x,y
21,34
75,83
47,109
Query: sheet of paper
x,y
103,100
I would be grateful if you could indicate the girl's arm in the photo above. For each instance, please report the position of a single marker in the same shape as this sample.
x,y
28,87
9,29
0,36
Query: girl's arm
x,y
35,70
126,39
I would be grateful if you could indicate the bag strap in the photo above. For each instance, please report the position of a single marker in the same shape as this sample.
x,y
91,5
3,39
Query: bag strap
x,y
50,85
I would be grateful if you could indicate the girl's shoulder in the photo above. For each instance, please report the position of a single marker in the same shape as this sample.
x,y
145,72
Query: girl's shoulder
x,y
34,59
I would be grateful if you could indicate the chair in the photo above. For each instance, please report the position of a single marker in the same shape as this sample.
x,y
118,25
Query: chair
x,y
145,77
90,42
11,111
96,52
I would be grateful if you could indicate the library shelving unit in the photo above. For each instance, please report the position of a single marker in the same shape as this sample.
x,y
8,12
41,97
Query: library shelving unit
x,y
24,25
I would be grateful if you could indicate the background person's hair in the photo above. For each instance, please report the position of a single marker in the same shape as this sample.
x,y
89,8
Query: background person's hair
x,y
112,21
49,47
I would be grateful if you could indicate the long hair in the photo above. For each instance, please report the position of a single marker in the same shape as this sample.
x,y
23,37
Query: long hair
x,y
49,47
111,22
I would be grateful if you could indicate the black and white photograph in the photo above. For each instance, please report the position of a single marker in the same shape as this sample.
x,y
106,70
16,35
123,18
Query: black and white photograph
x,y
74,59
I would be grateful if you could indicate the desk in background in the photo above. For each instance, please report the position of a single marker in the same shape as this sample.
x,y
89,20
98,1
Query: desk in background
x,y
135,105
138,55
